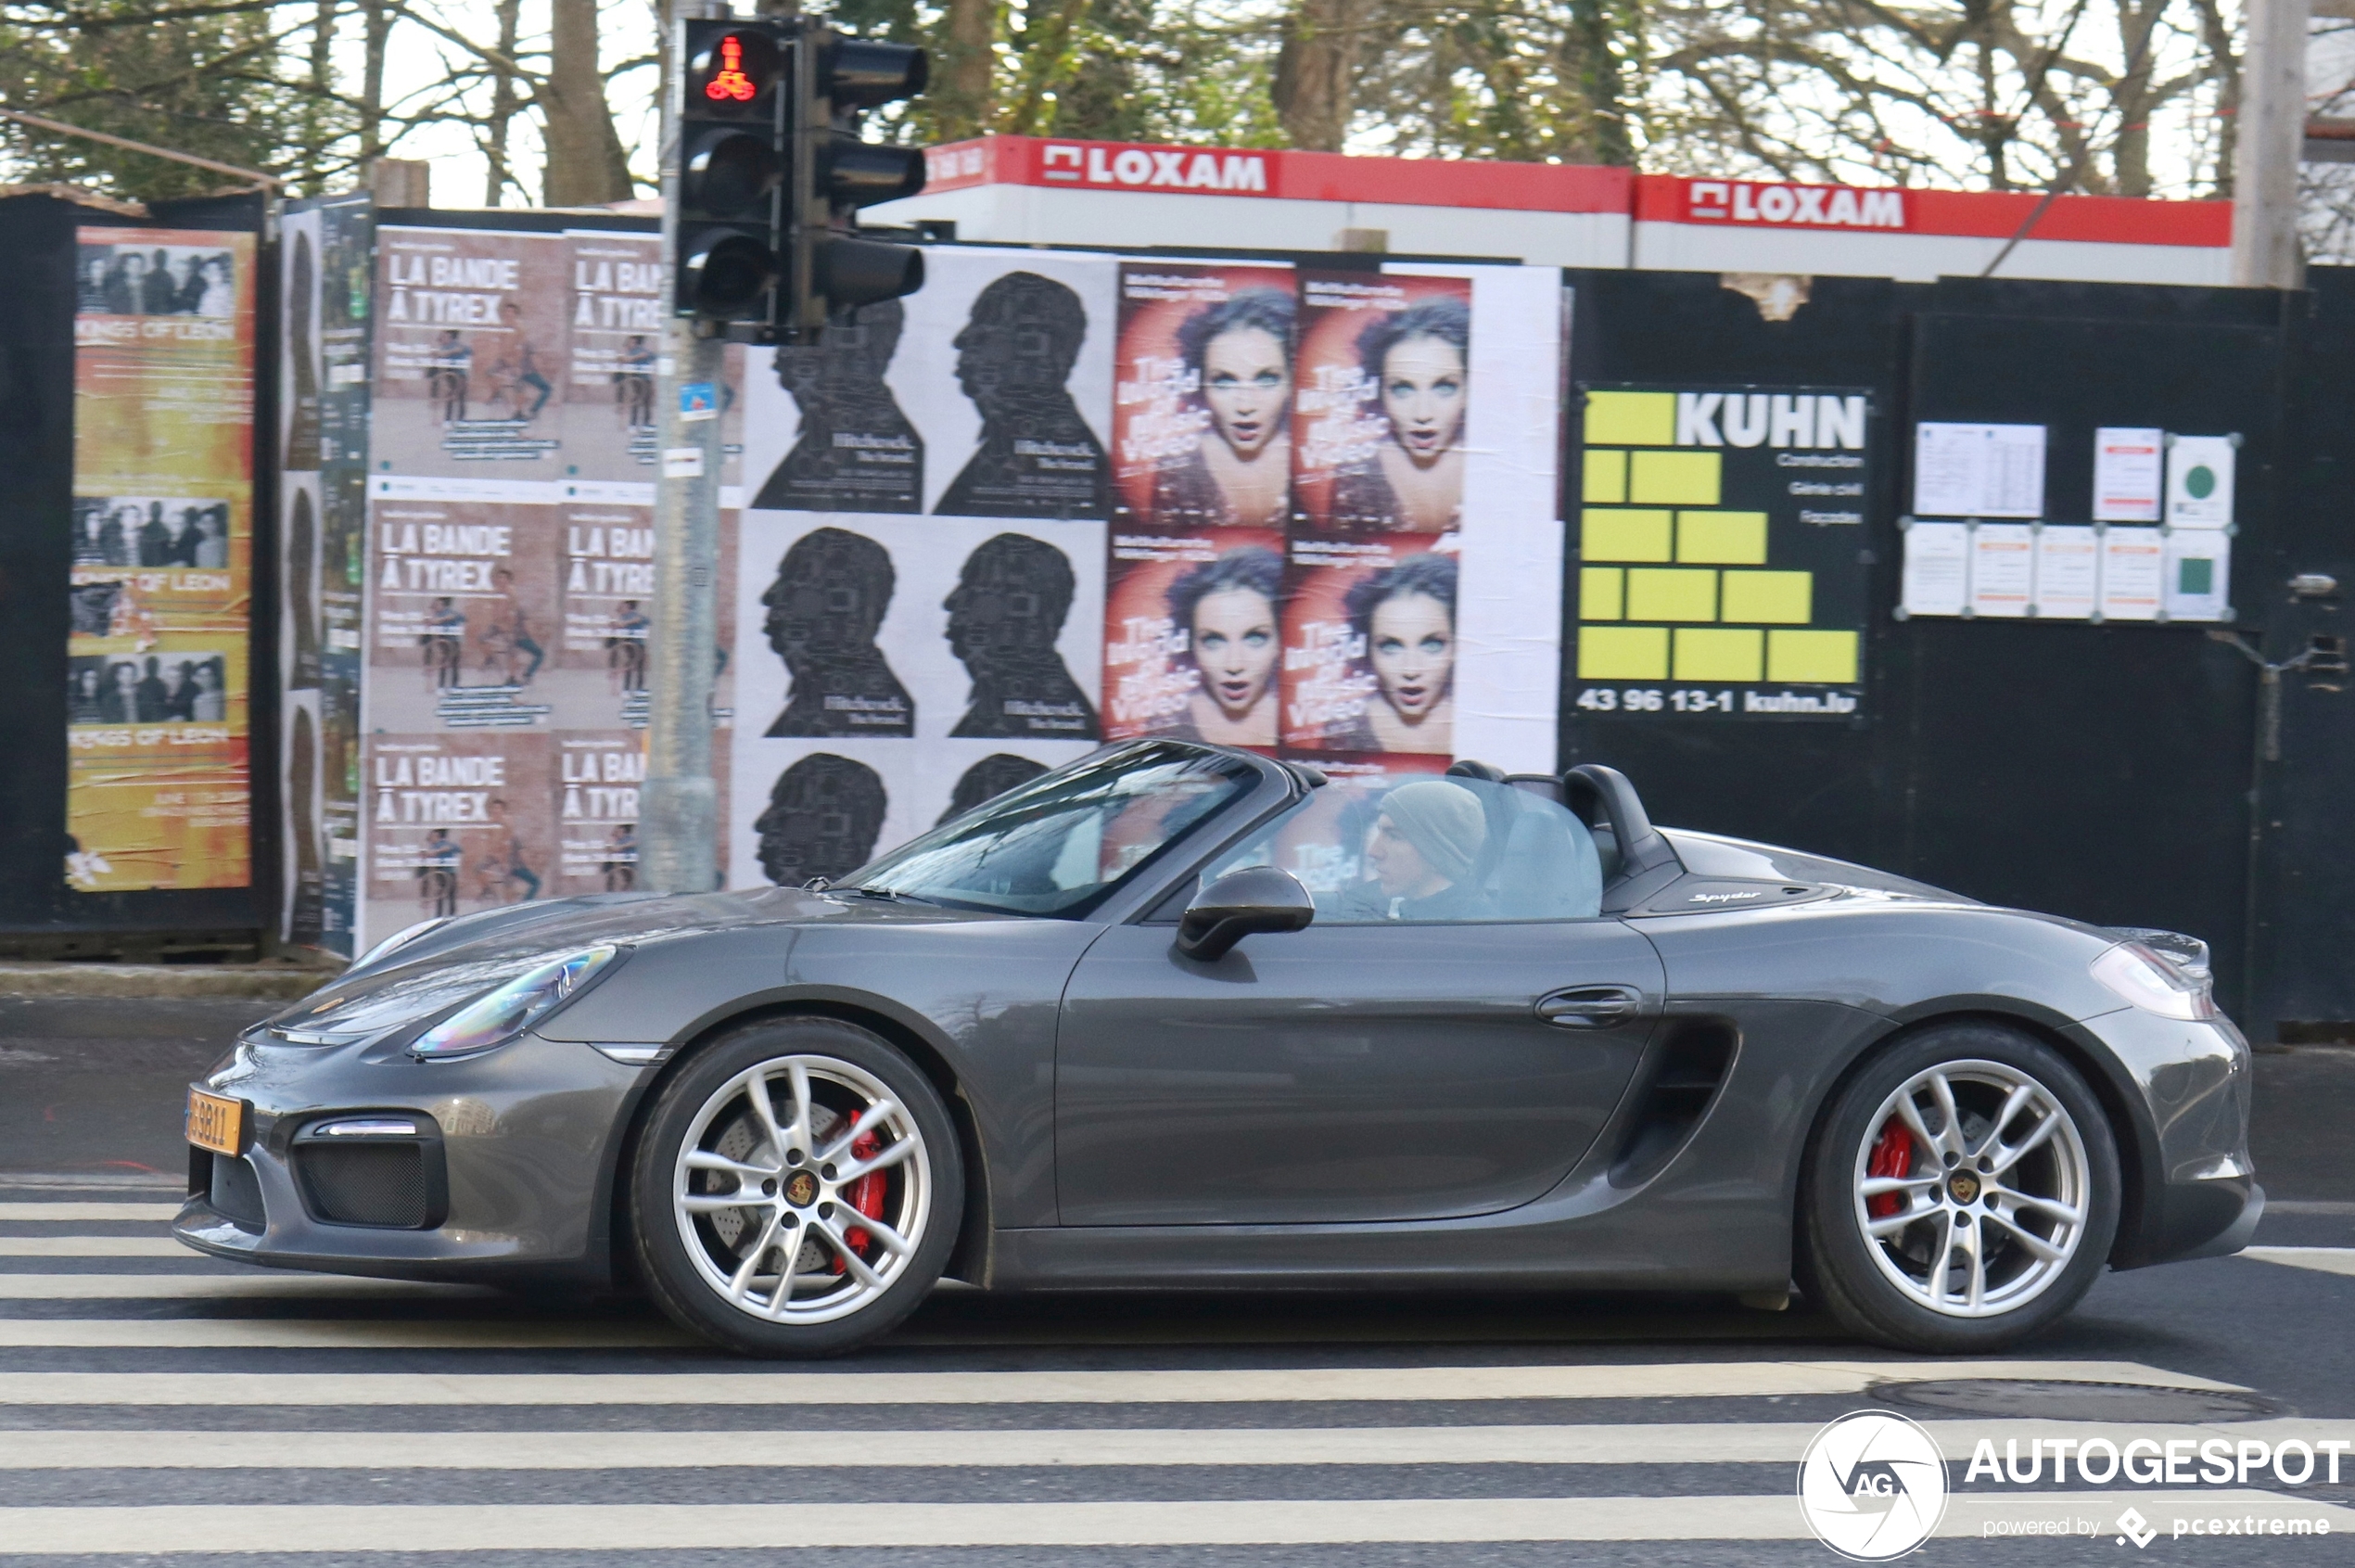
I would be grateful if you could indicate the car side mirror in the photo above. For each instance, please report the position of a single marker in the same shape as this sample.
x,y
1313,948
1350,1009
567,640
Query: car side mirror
x,y
1256,899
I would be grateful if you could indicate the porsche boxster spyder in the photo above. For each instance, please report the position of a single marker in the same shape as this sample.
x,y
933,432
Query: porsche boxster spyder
x,y
1179,1016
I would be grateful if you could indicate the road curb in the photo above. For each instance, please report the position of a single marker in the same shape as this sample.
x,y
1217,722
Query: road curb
x,y
162,981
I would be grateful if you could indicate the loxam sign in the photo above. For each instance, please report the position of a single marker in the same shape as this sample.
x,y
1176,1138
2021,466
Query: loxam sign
x,y
1138,168
1829,207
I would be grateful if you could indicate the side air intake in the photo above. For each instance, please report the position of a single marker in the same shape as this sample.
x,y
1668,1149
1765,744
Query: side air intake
x,y
1685,1078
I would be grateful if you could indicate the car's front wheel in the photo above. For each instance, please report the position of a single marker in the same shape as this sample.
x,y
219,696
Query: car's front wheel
x,y
797,1189
1961,1192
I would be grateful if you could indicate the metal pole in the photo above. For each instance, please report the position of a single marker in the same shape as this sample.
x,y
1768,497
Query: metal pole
x,y
677,808
2272,136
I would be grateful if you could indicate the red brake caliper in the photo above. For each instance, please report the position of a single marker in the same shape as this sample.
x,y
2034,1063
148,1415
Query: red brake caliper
x,y
1892,1155
866,1196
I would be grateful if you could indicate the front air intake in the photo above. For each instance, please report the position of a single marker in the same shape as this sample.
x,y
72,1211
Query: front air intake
x,y
235,1192
1683,1079
383,1173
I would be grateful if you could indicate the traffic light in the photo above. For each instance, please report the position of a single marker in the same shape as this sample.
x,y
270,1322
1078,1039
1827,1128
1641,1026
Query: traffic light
x,y
732,234
771,175
834,173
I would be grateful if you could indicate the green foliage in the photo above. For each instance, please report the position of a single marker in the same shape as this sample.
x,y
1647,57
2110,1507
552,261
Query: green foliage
x,y
208,85
1148,71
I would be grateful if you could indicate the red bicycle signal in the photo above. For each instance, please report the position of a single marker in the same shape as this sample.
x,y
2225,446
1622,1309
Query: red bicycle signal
x,y
730,83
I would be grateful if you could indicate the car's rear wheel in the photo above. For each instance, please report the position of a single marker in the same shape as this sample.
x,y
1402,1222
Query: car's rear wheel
x,y
1961,1192
797,1189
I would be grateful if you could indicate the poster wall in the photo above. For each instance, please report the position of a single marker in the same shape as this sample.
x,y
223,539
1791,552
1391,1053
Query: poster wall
x,y
159,794
1050,499
509,566
1239,503
324,287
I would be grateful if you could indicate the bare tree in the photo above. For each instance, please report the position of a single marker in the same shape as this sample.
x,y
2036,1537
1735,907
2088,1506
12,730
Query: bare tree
x,y
586,165
505,103
1992,92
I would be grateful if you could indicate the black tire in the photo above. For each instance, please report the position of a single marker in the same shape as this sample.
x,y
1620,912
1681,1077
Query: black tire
x,y
683,1286
1850,1274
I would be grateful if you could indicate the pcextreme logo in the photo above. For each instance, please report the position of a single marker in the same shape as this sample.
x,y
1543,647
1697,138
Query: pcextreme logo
x,y
1873,1485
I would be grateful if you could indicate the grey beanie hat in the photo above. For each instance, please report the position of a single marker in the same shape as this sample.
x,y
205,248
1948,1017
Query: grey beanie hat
x,y
1445,823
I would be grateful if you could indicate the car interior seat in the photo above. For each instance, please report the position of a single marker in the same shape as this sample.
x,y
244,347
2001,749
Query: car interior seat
x,y
1533,864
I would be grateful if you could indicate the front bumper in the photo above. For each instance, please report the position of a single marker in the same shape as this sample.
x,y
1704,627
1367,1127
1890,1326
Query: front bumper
x,y
528,1137
2191,1187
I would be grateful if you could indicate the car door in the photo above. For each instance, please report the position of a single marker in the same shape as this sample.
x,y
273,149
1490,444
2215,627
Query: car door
x,y
1361,1069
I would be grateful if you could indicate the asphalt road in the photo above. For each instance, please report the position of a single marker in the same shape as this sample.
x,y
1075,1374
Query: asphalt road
x,y
151,1401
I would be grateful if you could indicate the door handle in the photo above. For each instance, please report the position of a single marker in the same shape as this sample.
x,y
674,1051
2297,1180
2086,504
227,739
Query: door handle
x,y
1591,1007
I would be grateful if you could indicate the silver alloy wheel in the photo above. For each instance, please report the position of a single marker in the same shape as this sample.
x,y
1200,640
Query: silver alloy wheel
x,y
771,1225
1987,1223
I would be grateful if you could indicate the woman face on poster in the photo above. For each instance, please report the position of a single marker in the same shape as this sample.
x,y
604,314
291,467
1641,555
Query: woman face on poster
x,y
1415,363
1422,397
1238,354
1407,616
1241,353
1227,608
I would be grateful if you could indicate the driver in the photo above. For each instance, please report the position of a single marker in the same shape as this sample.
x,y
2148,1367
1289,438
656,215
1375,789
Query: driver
x,y
1422,852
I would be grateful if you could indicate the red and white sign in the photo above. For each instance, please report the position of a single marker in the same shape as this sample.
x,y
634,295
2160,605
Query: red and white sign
x,y
1802,207
1689,203
1677,199
1297,177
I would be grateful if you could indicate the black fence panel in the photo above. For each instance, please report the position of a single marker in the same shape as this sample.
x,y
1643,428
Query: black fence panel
x,y
2304,903
2098,771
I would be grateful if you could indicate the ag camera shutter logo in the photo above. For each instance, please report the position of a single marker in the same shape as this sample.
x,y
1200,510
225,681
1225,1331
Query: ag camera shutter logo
x,y
1873,1485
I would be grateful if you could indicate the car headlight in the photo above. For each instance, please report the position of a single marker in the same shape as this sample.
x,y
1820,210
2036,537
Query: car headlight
x,y
2143,979
498,1016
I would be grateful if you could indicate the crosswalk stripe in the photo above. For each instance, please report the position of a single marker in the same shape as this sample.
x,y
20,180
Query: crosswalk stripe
x,y
1672,1380
329,1334
743,1526
94,1247
802,1447
2329,1260
88,1211
261,1282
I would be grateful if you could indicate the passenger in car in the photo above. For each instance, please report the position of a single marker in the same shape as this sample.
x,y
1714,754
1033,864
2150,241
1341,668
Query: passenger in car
x,y
1422,852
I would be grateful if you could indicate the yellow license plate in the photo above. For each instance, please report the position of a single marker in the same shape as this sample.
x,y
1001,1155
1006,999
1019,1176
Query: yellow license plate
x,y
215,1123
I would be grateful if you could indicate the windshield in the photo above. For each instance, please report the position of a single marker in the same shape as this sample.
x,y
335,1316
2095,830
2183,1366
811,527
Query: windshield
x,y
1060,843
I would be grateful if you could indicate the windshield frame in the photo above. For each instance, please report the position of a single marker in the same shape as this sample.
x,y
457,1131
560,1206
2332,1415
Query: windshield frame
x,y
1270,787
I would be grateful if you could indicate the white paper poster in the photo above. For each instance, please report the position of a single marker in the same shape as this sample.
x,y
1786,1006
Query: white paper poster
x,y
2002,569
2199,574
2127,478
2199,481
1979,470
1936,568
2067,573
2134,574
888,668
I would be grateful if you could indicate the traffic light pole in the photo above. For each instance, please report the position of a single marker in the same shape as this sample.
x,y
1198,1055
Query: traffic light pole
x,y
763,172
678,804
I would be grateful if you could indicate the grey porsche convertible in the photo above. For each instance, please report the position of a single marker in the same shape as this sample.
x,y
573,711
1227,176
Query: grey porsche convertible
x,y
1179,1016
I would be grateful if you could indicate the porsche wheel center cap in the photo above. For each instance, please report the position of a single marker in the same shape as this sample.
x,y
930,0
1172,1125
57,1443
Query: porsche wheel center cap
x,y
801,1188
1963,1186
